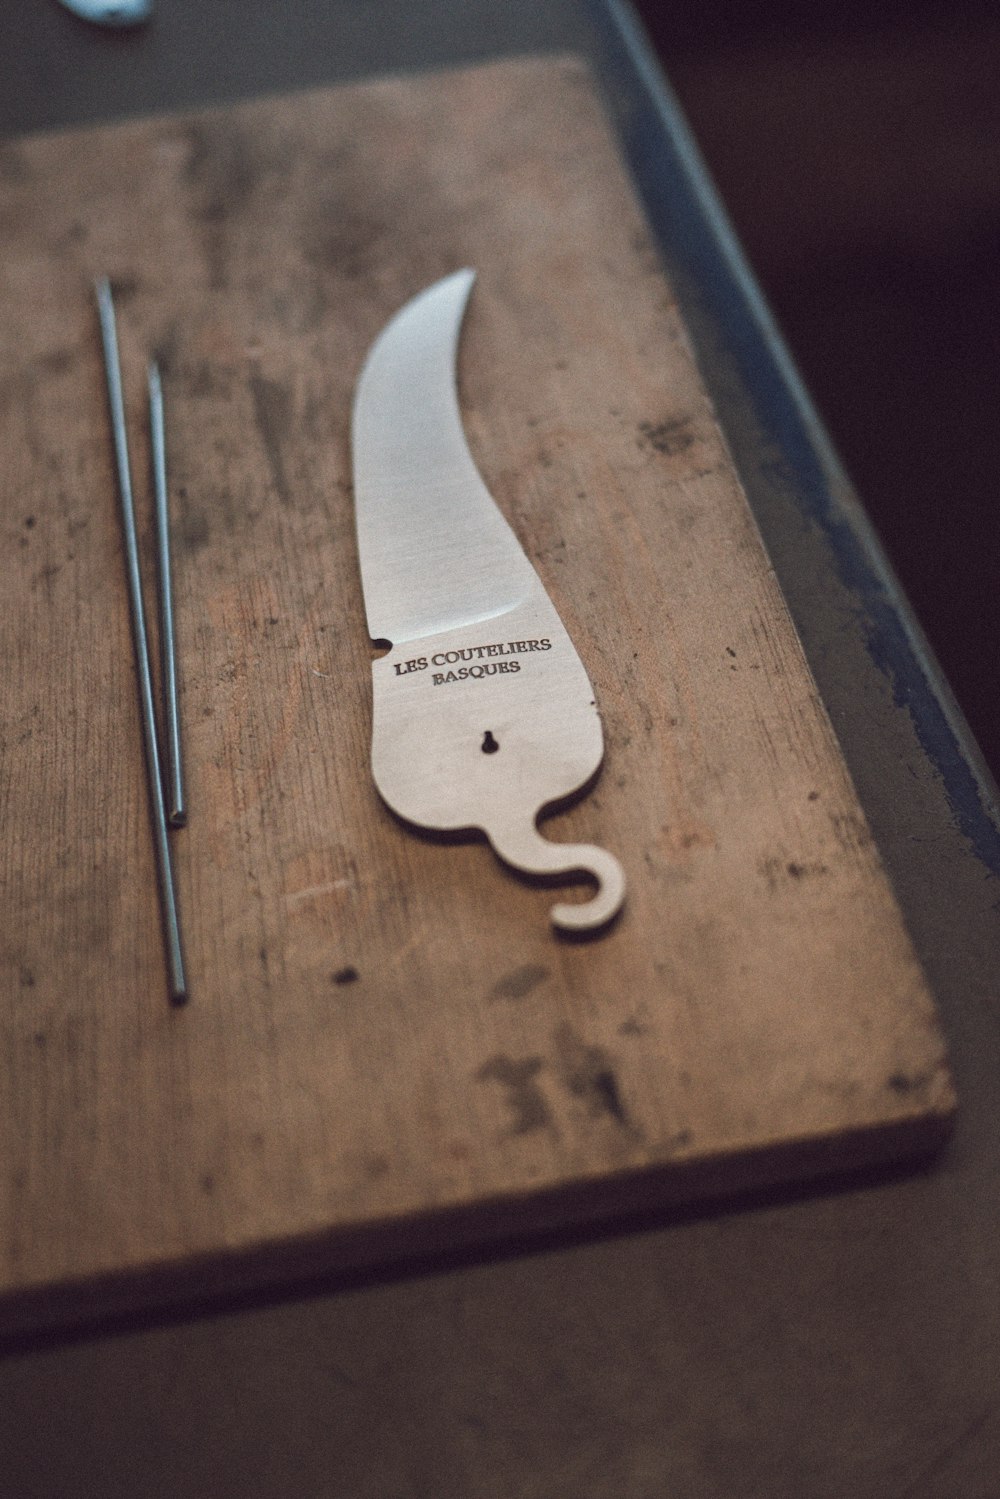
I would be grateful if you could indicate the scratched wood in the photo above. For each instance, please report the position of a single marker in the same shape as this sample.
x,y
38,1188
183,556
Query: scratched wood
x,y
387,1049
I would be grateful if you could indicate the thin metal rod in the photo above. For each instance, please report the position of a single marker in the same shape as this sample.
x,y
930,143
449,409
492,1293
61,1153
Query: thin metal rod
x,y
176,809
164,866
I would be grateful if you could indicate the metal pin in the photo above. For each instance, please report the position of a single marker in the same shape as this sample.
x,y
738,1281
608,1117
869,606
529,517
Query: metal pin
x,y
164,866
176,810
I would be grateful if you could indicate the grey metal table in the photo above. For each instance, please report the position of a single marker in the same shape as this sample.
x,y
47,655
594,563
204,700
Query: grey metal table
x,y
839,1341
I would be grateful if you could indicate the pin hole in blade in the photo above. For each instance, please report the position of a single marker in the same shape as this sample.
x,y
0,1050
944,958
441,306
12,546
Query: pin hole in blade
x,y
489,745
380,648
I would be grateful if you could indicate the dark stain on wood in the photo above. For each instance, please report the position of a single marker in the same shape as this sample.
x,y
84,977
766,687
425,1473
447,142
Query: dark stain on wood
x,y
777,871
524,1097
221,175
46,576
632,1027
588,1074
55,363
206,378
348,244
272,408
194,528
125,287
520,981
221,169
673,436
852,831
903,1083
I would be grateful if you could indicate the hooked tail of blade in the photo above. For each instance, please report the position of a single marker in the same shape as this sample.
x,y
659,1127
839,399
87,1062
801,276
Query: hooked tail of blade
x,y
521,845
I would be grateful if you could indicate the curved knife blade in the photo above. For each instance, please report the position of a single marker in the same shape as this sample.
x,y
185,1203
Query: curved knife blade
x,y
483,713
436,552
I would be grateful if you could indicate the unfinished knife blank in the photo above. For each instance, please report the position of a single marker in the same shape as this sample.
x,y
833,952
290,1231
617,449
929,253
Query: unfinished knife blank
x,y
483,713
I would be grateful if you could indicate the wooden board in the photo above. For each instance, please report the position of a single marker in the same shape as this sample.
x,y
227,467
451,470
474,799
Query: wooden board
x,y
387,1048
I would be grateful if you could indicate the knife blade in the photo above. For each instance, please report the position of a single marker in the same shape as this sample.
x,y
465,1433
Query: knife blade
x,y
483,713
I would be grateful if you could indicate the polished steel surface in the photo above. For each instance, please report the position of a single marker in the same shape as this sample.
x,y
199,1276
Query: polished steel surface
x,y
176,804
483,712
168,896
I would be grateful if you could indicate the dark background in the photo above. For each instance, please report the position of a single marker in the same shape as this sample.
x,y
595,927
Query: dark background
x,y
857,149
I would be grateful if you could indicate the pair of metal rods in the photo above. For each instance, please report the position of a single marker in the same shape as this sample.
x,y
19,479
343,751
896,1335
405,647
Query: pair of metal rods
x,y
166,792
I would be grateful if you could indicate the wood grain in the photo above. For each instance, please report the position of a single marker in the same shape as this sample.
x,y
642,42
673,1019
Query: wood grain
x,y
386,1046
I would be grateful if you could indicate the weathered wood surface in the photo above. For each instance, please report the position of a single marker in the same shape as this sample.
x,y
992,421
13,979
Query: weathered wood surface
x,y
386,1045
